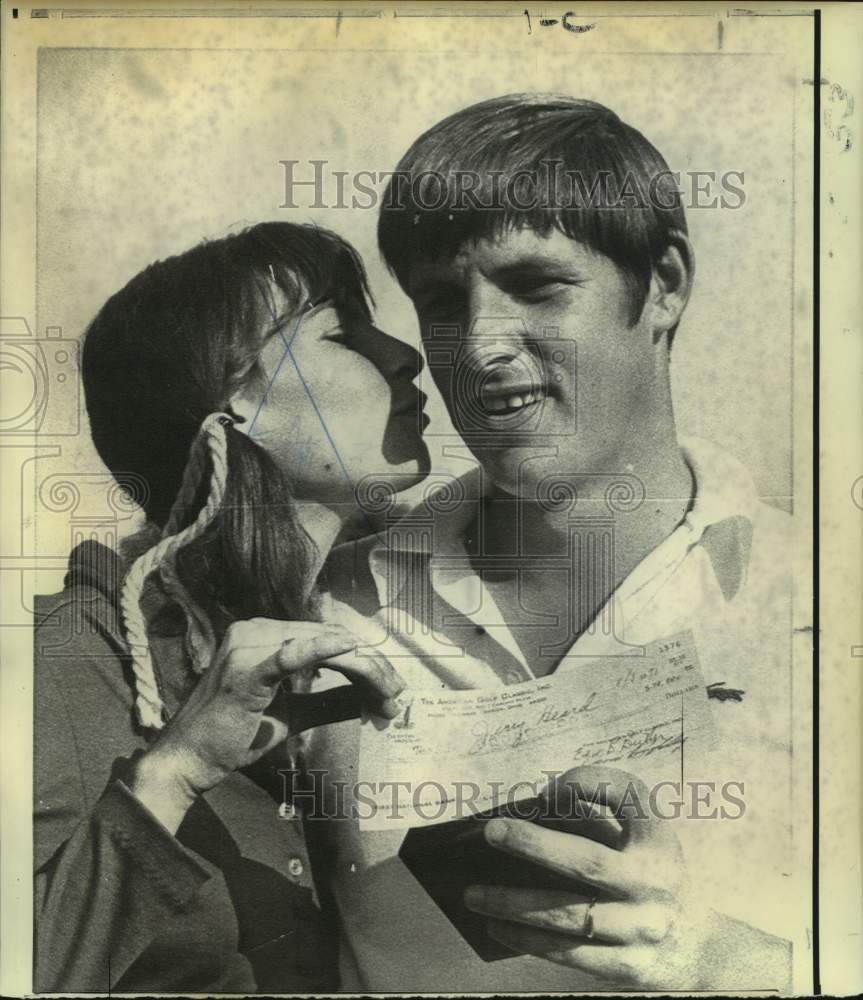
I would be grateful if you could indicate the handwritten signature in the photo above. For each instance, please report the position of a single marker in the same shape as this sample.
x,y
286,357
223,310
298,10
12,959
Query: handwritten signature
x,y
633,744
489,735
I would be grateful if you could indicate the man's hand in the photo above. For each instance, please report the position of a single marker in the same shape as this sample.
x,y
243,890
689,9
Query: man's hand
x,y
642,926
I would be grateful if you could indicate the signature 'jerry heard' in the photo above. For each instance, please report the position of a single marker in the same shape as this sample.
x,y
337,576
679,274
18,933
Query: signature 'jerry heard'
x,y
489,735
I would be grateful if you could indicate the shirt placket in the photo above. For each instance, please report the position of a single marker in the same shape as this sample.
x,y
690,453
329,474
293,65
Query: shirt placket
x,y
464,589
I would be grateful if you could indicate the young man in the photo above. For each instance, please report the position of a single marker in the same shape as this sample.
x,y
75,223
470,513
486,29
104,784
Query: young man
x,y
544,247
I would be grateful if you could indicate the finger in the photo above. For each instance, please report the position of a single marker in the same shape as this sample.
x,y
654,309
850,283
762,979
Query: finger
x,y
610,792
389,708
295,656
299,654
625,965
572,913
618,791
594,820
248,643
567,854
374,671
261,633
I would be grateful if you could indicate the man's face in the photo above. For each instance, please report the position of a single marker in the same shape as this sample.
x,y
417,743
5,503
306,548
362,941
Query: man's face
x,y
529,339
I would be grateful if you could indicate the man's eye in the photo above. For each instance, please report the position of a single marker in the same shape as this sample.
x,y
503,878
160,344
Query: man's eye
x,y
444,306
535,288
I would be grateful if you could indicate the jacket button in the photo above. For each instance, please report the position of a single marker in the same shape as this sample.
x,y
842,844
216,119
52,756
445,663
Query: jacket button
x,y
296,867
287,810
513,677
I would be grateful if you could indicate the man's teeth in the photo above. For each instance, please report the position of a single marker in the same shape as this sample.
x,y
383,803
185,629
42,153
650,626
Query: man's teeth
x,y
498,404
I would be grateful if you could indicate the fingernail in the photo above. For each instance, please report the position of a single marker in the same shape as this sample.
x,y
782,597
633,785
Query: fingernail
x,y
496,831
390,709
473,895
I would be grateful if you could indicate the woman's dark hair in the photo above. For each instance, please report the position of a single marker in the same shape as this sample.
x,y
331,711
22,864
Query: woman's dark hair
x,y
174,346
538,161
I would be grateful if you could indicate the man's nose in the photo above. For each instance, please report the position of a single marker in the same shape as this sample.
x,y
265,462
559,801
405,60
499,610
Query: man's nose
x,y
494,340
491,317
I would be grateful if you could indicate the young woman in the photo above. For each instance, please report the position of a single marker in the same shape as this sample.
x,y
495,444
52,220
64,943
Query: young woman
x,y
237,391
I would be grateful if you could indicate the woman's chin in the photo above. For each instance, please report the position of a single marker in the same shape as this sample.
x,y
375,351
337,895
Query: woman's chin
x,y
408,461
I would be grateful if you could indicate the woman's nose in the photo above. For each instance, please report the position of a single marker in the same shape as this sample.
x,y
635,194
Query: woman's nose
x,y
395,357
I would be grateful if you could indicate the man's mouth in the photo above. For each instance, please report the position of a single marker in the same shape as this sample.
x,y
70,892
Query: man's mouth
x,y
502,400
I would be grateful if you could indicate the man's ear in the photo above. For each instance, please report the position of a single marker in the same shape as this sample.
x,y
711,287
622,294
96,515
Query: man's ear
x,y
671,284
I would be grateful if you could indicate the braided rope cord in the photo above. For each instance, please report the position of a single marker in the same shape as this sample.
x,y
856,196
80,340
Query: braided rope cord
x,y
210,441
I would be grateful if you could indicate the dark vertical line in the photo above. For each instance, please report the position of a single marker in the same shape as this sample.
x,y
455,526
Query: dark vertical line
x,y
816,489
793,317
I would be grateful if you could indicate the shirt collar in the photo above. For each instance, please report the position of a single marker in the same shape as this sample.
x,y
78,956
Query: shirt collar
x,y
720,517
723,515
723,486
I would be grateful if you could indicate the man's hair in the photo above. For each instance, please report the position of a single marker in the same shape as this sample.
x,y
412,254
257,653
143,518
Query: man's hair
x,y
534,161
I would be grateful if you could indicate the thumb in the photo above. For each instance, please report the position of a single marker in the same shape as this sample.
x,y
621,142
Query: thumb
x,y
609,794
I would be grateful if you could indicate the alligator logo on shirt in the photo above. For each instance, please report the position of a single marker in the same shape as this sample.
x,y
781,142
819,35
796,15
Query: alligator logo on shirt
x,y
723,693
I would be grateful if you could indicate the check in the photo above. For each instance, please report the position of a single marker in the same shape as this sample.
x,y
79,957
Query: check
x,y
453,753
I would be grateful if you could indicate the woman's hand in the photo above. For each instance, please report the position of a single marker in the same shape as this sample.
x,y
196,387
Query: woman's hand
x,y
635,920
223,726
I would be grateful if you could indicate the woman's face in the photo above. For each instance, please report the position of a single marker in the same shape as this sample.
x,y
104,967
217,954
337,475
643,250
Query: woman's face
x,y
336,402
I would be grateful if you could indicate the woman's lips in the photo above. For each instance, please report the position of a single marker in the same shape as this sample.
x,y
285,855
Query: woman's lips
x,y
418,419
413,407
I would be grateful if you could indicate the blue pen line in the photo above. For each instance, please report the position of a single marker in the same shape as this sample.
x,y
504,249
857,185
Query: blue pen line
x,y
323,422
289,353
276,372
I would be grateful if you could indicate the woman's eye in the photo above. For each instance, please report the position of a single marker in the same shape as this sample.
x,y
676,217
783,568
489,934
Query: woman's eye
x,y
311,304
336,336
